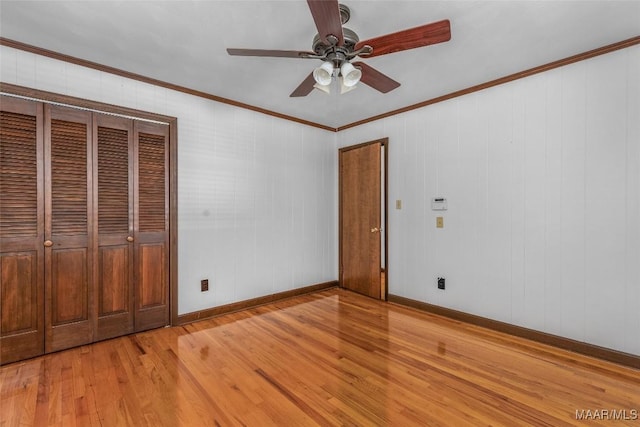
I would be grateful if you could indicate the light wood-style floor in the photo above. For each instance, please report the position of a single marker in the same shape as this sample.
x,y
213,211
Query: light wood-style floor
x,y
331,358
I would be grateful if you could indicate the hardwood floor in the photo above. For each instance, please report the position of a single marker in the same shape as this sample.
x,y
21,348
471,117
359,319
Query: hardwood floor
x,y
330,358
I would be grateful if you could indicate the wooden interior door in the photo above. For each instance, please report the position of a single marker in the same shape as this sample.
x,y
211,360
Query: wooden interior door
x,y
360,225
113,178
69,319
21,230
151,225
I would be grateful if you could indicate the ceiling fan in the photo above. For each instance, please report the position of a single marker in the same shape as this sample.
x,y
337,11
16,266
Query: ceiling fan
x,y
336,46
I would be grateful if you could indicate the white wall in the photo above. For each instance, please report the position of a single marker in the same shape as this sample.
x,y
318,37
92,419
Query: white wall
x,y
256,194
542,177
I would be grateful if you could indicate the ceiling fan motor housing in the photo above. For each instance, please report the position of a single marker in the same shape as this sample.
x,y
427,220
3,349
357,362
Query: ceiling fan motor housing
x,y
337,54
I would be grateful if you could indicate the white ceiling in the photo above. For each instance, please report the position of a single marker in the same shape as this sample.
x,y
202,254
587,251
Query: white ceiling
x,y
183,42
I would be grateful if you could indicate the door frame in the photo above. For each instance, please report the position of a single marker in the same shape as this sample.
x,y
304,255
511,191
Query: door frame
x,y
384,142
172,122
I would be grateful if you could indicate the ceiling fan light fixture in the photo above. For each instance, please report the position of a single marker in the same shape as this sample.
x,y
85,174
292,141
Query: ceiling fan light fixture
x,y
323,74
350,74
336,45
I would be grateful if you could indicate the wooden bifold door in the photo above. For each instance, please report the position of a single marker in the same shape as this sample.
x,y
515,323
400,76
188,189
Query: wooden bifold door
x,y
83,227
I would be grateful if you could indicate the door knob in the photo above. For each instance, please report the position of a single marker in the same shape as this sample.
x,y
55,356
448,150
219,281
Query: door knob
x,y
129,239
48,243
375,229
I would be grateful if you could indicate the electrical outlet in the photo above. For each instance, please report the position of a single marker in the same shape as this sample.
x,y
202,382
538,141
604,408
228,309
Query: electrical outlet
x,y
441,283
440,222
204,285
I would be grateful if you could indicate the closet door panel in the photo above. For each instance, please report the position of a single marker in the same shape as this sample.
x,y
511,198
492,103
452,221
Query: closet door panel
x,y
114,280
151,222
19,291
151,282
113,140
69,286
21,310
69,317
152,286
21,230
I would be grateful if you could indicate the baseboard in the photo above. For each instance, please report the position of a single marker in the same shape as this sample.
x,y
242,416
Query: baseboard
x,y
253,302
587,349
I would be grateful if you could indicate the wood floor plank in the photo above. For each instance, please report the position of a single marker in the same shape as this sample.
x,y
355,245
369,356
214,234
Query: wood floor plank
x,y
330,358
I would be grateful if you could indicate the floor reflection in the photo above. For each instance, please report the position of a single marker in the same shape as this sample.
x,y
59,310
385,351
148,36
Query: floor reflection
x,y
330,358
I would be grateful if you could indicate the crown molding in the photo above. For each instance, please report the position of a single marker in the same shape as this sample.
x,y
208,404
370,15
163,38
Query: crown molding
x,y
502,80
122,73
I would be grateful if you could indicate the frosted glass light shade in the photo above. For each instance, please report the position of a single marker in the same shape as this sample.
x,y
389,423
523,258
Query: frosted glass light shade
x,y
322,75
350,74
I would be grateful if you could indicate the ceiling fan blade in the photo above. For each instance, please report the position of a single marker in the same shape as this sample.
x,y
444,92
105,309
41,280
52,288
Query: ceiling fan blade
x,y
305,87
375,79
436,32
272,53
326,14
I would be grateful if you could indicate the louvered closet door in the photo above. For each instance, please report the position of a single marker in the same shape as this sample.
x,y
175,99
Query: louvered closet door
x,y
69,315
113,153
151,225
21,230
